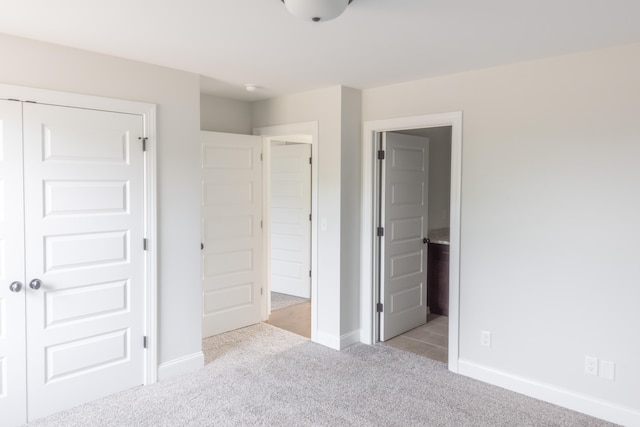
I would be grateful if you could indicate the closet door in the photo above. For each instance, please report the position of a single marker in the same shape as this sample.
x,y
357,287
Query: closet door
x,y
12,302
84,246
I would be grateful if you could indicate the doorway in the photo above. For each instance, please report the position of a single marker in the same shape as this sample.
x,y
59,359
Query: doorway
x,y
372,261
304,318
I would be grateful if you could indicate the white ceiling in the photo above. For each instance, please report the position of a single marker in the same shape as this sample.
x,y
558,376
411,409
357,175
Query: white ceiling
x,y
375,42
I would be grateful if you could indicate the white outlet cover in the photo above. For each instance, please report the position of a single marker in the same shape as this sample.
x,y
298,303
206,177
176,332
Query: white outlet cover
x,y
591,365
485,338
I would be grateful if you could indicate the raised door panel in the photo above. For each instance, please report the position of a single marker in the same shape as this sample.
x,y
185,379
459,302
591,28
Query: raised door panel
x,y
85,211
404,289
231,232
12,304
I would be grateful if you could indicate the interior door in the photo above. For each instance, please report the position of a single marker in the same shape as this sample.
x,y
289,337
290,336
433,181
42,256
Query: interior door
x,y
12,270
290,219
404,215
231,231
84,216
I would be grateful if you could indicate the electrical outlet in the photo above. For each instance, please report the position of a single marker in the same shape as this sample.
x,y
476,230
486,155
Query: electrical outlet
x,y
485,338
607,370
591,365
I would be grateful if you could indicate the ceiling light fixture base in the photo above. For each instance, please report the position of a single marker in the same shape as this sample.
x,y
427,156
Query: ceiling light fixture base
x,y
316,10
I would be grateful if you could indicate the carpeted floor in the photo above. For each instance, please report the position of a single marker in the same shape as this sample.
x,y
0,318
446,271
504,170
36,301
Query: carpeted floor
x,y
264,376
280,301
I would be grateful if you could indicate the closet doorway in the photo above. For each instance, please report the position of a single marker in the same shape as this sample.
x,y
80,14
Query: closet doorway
x,y
77,250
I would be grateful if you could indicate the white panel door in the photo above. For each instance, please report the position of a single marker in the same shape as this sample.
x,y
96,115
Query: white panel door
x,y
290,219
84,216
231,231
405,209
12,303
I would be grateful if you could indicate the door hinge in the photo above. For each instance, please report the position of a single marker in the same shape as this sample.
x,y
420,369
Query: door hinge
x,y
309,217
144,244
379,307
261,290
144,142
310,162
380,154
260,156
260,223
309,273
380,232
144,341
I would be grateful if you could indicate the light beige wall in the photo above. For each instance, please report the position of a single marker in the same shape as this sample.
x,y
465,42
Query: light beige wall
x,y
439,177
351,135
224,115
176,93
550,206
338,113
323,106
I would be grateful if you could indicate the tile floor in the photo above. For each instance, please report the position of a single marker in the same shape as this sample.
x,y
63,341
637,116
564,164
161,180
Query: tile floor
x,y
430,340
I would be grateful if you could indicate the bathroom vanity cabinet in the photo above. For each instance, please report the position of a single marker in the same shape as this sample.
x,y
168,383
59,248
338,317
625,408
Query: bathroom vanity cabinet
x,y
438,278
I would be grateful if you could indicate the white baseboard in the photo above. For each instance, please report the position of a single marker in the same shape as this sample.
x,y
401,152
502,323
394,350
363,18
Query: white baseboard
x,y
328,340
349,339
578,402
181,365
338,342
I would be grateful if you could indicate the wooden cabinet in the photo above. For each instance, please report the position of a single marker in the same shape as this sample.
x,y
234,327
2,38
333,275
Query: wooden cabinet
x,y
438,278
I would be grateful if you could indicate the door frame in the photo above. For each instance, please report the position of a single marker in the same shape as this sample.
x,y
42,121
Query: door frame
x,y
306,132
369,219
148,113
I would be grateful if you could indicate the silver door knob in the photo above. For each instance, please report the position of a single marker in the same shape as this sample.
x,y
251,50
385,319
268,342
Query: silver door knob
x,y
35,284
15,287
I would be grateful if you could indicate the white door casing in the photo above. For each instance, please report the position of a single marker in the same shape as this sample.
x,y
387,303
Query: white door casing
x,y
84,215
404,201
13,391
231,231
290,218
369,252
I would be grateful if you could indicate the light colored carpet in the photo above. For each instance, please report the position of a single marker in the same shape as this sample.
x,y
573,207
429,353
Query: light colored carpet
x,y
280,301
264,376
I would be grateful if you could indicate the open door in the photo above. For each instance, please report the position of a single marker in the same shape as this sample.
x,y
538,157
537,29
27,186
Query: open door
x,y
232,261
404,211
291,219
